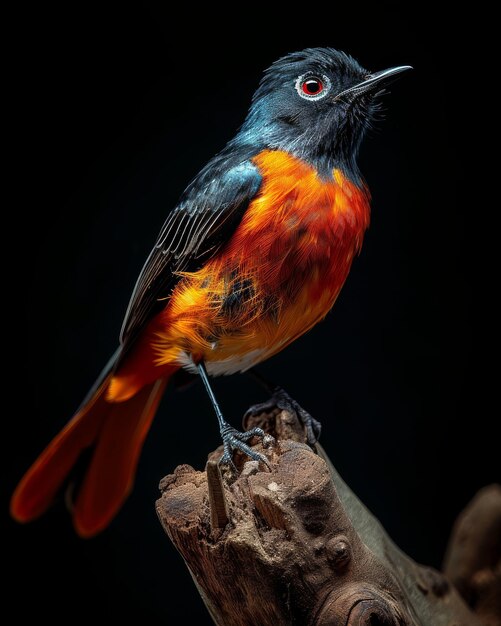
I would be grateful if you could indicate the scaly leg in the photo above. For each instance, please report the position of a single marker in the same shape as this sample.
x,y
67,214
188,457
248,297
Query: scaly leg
x,y
280,399
233,439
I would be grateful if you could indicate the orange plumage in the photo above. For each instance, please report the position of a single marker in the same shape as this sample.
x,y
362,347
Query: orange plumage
x,y
291,254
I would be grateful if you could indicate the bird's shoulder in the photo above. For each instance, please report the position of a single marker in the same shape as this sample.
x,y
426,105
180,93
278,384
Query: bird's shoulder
x,y
222,181
206,215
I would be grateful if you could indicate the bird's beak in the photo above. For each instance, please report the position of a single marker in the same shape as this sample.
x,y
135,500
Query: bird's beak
x,y
373,81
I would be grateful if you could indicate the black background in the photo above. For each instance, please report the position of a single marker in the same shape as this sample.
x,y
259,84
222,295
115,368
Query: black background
x,y
110,114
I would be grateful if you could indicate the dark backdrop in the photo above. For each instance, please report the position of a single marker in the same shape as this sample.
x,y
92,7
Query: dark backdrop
x,y
112,113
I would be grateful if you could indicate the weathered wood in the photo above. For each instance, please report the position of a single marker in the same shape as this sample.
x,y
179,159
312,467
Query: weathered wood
x,y
473,558
217,503
298,546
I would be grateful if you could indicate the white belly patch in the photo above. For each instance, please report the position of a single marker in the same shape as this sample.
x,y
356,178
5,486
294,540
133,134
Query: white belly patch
x,y
231,365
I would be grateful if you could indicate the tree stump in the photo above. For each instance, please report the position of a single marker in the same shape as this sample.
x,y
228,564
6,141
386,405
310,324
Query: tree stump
x,y
294,545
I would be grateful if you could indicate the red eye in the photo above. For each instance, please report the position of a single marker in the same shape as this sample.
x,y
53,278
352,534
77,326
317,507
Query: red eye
x,y
312,86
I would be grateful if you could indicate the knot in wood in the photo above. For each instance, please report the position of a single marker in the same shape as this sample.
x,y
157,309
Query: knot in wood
x,y
360,604
338,552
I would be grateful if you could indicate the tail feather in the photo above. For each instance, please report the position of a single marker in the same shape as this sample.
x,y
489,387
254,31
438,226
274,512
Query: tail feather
x,y
38,487
117,431
111,472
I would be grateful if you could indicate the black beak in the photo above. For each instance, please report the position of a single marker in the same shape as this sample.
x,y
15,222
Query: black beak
x,y
373,81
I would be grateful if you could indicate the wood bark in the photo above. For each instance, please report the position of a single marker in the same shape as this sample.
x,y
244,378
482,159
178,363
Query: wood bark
x,y
292,544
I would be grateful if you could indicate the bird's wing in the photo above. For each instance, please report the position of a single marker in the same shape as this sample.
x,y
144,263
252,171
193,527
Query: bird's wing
x,y
207,215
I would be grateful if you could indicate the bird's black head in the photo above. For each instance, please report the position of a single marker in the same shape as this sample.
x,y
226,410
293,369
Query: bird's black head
x,y
315,104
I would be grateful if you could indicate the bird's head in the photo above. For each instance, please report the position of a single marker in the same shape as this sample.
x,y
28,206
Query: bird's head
x,y
316,104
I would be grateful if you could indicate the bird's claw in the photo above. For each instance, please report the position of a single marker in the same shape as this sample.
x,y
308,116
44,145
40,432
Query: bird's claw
x,y
233,440
282,400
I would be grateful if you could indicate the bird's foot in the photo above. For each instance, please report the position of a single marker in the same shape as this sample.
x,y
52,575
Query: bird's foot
x,y
281,400
233,440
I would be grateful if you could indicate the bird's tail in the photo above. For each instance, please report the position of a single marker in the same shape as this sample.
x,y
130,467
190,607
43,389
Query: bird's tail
x,y
116,432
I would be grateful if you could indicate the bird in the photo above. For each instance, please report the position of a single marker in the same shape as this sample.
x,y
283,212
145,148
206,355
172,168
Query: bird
x,y
254,254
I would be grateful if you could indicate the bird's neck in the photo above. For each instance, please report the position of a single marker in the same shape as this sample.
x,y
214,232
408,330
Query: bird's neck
x,y
325,156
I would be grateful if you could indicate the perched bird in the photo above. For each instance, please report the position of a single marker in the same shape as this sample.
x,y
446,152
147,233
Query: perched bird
x,y
252,257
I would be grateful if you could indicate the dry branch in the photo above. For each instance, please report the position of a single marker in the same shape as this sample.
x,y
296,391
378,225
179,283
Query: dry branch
x,y
294,545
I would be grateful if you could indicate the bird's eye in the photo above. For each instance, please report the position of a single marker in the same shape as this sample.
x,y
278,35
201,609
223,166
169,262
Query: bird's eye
x,y
312,87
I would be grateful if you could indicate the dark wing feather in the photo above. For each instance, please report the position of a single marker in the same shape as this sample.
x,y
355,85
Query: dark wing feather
x,y
206,216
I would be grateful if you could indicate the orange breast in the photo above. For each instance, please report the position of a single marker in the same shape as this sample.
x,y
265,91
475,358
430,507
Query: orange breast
x,y
278,275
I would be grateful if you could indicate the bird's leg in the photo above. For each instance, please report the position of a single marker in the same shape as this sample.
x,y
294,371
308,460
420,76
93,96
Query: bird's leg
x,y
233,439
280,399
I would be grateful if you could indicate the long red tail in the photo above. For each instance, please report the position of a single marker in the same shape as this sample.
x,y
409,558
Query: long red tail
x,y
117,432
